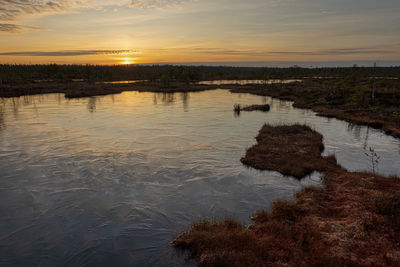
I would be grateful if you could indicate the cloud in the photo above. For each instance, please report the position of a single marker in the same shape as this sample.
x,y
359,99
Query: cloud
x,y
11,10
68,53
340,51
387,49
159,4
199,50
14,28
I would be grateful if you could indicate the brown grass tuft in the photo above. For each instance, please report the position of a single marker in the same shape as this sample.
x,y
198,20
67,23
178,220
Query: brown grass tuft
x,y
292,150
353,221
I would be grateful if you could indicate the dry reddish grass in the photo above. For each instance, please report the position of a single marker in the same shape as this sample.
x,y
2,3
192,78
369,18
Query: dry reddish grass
x,y
84,89
306,94
311,94
353,221
362,118
291,150
264,107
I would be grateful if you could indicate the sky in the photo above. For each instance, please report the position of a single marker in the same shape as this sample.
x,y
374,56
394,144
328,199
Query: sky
x,y
184,31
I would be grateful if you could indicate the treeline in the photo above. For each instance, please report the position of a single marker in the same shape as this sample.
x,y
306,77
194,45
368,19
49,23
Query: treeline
x,y
19,74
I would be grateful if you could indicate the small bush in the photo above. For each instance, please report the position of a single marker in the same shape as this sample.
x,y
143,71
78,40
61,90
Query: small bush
x,y
236,107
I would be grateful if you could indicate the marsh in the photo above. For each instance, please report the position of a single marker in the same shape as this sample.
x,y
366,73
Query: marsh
x,y
113,179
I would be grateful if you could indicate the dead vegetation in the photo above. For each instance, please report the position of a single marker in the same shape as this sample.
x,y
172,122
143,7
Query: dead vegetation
x,y
353,221
291,150
262,107
85,89
343,98
347,99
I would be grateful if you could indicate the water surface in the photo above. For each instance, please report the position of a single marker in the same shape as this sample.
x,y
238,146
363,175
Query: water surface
x,y
110,180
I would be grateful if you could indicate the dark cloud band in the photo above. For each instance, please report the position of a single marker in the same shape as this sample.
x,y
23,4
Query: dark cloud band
x,y
210,51
338,51
68,53
14,28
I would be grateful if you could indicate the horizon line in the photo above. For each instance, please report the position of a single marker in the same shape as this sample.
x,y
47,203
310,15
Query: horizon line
x,y
250,64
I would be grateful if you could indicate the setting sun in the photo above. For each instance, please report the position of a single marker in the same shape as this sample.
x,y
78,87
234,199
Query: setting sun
x,y
127,61
199,132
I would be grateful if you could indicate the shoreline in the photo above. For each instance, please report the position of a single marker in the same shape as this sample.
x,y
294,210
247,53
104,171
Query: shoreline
x,y
307,95
354,220
84,89
375,198
312,94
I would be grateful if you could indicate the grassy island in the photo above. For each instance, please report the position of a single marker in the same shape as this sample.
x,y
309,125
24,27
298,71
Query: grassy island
x,y
354,220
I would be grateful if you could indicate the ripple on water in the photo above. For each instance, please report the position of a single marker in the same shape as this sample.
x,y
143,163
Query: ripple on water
x,y
116,180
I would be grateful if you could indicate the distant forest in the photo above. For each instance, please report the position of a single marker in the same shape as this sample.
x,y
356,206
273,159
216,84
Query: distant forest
x,y
20,74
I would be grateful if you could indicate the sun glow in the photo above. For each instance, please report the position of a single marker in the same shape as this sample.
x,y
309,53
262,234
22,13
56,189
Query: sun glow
x,y
127,61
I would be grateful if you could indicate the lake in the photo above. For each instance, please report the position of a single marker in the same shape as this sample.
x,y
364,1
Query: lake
x,y
112,180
